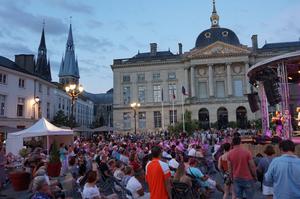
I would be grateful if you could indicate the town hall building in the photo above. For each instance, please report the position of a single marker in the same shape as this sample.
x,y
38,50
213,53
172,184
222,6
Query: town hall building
x,y
212,74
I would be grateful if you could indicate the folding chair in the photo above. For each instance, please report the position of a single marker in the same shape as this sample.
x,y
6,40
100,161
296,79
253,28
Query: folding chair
x,y
181,191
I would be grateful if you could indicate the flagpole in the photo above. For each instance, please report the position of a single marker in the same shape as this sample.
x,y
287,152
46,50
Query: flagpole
x,y
173,112
183,122
162,115
162,110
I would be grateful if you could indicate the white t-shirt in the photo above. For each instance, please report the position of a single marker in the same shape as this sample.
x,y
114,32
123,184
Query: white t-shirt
x,y
133,186
192,152
173,163
90,192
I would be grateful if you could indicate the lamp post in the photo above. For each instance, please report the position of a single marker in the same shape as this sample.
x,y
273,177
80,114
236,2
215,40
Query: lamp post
x,y
73,91
37,101
135,106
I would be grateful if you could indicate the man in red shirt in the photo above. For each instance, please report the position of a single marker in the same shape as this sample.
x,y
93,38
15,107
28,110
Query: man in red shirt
x,y
242,169
158,176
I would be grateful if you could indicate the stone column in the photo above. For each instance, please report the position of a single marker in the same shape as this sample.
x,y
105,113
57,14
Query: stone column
x,y
229,79
186,80
210,80
192,81
247,79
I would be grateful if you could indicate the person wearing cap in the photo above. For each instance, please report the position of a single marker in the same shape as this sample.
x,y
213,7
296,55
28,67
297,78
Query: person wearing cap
x,y
41,188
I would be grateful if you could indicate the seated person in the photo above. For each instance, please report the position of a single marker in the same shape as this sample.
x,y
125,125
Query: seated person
x,y
204,180
180,176
91,191
41,188
134,185
128,173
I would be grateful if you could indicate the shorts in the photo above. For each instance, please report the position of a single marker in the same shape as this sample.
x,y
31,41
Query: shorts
x,y
267,191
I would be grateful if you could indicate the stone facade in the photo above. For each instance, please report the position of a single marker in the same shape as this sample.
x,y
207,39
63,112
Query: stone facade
x,y
214,74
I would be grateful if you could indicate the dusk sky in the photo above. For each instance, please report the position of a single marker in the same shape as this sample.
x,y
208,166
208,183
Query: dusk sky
x,y
107,30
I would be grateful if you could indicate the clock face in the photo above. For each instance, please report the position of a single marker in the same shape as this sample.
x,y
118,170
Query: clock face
x,y
215,22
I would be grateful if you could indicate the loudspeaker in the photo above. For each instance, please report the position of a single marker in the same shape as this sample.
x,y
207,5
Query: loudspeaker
x,y
253,102
272,91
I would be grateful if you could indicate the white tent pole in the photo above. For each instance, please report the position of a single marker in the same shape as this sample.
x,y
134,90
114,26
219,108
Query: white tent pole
x,y
48,145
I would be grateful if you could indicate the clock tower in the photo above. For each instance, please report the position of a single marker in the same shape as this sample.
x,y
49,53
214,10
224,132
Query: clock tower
x,y
214,18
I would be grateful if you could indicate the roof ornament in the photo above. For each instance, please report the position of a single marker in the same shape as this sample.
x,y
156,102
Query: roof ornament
x,y
214,17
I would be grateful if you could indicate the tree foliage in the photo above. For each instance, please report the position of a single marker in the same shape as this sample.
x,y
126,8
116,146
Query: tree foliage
x,y
60,119
190,125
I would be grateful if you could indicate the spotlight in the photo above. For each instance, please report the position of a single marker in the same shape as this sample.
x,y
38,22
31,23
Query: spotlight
x,y
290,78
299,71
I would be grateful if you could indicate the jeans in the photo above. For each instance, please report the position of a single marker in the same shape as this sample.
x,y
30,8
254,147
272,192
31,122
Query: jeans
x,y
243,186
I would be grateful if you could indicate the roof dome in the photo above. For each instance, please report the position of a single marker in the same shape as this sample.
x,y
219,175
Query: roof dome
x,y
213,35
216,33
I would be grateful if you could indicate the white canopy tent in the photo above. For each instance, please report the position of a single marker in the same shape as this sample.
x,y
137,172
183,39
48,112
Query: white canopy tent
x,y
41,128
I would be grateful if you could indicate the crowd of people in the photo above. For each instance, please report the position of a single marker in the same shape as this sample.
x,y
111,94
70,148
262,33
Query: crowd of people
x,y
164,166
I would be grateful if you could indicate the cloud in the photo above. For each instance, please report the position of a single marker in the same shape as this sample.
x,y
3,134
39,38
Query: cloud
x,y
93,44
9,49
94,23
119,25
19,17
73,6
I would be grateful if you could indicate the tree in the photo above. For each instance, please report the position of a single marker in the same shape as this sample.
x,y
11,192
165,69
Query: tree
x,y
60,119
190,125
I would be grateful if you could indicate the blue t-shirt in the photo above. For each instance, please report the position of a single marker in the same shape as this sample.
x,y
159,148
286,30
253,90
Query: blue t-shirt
x,y
284,173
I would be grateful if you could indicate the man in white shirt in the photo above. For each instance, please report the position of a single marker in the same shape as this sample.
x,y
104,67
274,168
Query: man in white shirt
x,y
135,187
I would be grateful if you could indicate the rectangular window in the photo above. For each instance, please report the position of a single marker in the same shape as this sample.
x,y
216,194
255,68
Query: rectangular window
x,y
156,93
48,110
2,78
172,91
173,116
142,120
20,107
141,94
126,120
126,94
126,78
202,90
220,91
21,83
63,104
157,119
141,77
238,88
59,103
40,88
2,105
48,91
172,75
156,76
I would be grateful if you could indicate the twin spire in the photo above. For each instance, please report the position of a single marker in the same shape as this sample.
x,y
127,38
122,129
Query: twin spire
x,y
214,17
69,72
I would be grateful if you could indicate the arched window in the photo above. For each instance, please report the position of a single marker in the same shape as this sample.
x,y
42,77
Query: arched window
x,y
241,117
222,114
203,116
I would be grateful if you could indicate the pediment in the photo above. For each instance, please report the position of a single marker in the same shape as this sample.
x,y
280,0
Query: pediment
x,y
218,49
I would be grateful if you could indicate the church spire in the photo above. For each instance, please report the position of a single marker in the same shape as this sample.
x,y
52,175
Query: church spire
x,y
214,17
69,72
42,66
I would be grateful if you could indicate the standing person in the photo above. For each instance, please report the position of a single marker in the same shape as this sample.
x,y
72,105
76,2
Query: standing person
x,y
284,172
223,167
63,158
242,169
262,168
158,176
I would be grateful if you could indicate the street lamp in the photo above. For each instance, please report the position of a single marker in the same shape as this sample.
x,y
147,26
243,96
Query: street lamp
x,y
135,106
37,101
73,91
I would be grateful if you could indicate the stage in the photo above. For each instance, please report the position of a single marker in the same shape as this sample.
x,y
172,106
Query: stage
x,y
296,140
